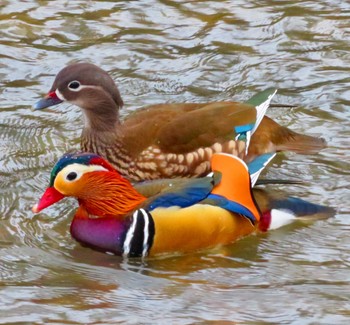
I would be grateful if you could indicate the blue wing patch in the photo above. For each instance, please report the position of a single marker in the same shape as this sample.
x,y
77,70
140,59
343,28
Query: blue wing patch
x,y
243,132
232,206
189,195
244,128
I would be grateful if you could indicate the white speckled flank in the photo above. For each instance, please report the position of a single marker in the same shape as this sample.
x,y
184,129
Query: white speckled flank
x,y
208,152
189,158
195,163
201,153
217,147
152,163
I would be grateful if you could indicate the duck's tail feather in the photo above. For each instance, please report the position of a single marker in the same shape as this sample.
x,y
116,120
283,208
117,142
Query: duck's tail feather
x,y
286,211
279,138
300,143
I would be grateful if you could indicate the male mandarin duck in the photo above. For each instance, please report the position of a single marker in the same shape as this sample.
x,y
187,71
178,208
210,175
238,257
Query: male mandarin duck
x,y
169,140
192,215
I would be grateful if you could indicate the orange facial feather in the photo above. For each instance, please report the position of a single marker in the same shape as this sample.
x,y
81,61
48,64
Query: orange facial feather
x,y
103,194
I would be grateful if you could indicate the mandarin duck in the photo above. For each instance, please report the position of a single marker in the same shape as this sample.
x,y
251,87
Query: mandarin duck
x,y
200,213
169,140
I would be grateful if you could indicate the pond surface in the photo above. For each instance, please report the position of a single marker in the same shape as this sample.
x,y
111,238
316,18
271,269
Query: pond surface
x,y
173,51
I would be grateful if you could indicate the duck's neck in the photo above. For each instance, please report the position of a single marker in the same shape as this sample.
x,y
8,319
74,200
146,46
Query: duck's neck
x,y
100,109
102,130
104,118
109,196
109,143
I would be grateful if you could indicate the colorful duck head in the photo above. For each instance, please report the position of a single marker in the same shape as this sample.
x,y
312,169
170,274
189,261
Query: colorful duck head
x,y
89,178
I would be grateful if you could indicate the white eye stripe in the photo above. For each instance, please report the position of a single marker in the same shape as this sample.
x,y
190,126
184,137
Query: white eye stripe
x,y
87,87
79,170
61,97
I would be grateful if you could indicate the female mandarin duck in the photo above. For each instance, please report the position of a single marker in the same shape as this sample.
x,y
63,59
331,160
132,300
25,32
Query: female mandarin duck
x,y
169,140
195,214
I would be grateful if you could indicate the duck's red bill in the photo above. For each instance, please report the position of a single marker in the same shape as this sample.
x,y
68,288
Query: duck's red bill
x,y
50,197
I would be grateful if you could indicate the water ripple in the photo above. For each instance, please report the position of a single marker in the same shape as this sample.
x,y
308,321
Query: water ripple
x,y
175,51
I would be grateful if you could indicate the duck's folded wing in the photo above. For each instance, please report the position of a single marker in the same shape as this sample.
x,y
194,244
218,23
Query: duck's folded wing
x,y
184,194
213,123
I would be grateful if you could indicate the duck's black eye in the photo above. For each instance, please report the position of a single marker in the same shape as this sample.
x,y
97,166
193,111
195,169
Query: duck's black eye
x,y
74,84
72,176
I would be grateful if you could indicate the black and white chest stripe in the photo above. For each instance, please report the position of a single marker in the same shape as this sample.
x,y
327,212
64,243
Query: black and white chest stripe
x,y
139,237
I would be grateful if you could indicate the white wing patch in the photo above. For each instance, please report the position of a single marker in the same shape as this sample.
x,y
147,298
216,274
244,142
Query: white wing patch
x,y
261,111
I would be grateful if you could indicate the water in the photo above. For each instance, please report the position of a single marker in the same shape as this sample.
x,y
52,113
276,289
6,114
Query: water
x,y
172,51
